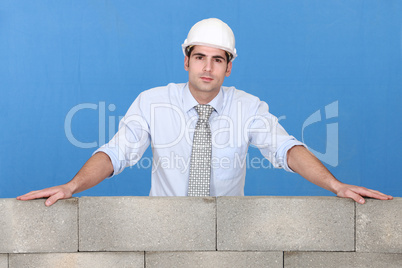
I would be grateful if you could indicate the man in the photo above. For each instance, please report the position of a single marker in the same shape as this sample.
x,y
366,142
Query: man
x,y
194,153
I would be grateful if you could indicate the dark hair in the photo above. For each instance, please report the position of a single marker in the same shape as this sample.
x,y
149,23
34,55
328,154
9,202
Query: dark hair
x,y
189,49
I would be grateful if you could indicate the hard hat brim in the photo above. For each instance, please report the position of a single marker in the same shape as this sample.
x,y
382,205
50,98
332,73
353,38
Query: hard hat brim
x,y
185,45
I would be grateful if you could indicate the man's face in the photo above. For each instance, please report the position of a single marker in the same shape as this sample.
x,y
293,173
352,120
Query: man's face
x,y
207,68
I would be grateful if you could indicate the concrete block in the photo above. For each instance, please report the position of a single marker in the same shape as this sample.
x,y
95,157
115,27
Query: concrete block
x,y
78,260
379,226
341,259
147,223
285,223
30,226
214,259
3,260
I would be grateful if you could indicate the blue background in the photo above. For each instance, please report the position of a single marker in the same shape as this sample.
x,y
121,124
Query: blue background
x,y
298,56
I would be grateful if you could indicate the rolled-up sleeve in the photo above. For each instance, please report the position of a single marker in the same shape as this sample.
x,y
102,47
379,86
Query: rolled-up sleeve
x,y
270,137
282,152
130,142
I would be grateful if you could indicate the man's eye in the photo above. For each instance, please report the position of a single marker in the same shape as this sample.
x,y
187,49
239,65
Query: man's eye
x,y
218,60
198,58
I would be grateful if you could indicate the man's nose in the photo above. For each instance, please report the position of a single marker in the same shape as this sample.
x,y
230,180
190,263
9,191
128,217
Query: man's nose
x,y
208,65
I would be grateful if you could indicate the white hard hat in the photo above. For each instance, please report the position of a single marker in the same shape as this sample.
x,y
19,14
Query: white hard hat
x,y
212,33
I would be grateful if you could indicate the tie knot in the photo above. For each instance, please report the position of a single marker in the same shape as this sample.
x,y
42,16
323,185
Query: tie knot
x,y
204,111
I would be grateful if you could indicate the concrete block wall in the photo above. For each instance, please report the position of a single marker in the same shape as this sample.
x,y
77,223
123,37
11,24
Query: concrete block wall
x,y
201,232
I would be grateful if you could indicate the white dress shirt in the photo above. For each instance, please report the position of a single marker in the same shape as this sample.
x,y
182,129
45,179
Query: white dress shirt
x,y
165,118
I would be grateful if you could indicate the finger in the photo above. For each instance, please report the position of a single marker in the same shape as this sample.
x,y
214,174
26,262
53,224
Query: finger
x,y
33,196
380,196
27,194
356,197
386,196
36,194
373,194
53,199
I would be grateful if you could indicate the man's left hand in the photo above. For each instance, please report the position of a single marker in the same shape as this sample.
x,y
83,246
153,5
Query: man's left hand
x,y
356,193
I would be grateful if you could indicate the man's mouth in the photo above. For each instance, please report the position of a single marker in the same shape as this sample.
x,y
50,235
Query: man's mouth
x,y
206,78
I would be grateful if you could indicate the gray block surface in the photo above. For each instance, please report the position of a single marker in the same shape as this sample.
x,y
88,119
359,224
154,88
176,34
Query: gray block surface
x,y
78,260
3,260
147,223
30,226
285,223
213,259
379,226
341,259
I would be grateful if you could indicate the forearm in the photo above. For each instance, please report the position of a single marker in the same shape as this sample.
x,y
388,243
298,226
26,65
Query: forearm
x,y
307,165
95,170
303,162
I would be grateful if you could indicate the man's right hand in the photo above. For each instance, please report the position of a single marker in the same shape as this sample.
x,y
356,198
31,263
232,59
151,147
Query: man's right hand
x,y
95,170
54,193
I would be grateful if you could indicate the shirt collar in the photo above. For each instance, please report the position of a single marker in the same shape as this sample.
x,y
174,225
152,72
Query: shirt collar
x,y
189,102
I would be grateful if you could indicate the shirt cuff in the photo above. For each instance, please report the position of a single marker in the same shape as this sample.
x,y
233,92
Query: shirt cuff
x,y
282,153
112,157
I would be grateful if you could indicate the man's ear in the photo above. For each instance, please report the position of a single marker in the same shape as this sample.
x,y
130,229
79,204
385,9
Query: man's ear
x,y
186,59
229,69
